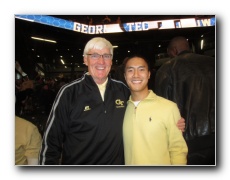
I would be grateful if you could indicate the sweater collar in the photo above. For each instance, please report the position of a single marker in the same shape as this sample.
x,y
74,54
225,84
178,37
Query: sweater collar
x,y
151,96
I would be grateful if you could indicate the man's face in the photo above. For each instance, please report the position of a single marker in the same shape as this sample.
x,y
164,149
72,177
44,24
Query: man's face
x,y
98,68
137,74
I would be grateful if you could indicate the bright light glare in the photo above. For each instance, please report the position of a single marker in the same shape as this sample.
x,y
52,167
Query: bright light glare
x,y
201,44
62,61
42,39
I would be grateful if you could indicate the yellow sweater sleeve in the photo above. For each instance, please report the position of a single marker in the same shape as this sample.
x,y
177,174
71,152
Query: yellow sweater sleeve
x,y
177,146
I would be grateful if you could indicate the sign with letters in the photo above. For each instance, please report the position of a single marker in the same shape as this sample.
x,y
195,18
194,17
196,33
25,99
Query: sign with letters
x,y
118,28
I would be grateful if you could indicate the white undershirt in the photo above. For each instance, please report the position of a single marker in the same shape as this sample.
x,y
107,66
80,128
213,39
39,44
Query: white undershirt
x,y
136,103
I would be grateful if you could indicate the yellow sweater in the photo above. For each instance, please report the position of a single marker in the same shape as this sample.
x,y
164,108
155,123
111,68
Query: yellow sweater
x,y
151,136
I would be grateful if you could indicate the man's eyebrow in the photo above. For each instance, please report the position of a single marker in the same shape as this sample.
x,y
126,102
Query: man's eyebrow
x,y
135,67
142,67
129,67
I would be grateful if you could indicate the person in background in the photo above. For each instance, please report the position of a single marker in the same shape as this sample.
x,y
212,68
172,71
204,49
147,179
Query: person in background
x,y
85,123
118,21
188,79
25,90
151,136
106,20
27,142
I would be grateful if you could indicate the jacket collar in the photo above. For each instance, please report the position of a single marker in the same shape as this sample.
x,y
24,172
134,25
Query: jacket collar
x,y
184,52
91,83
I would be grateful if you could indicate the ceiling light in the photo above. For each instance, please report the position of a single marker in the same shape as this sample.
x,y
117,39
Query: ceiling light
x,y
62,61
201,44
42,39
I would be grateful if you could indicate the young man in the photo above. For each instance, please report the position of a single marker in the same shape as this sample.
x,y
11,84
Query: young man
x,y
150,134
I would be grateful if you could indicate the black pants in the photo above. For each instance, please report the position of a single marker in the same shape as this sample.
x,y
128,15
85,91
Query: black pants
x,y
202,150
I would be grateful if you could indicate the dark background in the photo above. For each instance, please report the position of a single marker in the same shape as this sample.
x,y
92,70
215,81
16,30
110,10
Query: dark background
x,y
70,44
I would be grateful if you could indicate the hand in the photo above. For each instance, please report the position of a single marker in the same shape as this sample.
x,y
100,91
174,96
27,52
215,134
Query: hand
x,y
181,124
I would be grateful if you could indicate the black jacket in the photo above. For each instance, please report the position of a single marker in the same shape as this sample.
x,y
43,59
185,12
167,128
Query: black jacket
x,y
189,81
82,129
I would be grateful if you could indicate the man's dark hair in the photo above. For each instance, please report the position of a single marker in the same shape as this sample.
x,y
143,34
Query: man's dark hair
x,y
133,56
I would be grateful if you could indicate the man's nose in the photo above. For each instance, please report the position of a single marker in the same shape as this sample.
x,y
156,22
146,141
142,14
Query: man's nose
x,y
135,73
101,60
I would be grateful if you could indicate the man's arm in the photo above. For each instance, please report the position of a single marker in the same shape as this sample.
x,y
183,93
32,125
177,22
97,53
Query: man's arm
x,y
52,143
178,149
33,145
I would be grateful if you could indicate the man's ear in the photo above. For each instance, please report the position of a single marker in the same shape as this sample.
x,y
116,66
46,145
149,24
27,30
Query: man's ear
x,y
175,51
85,61
124,76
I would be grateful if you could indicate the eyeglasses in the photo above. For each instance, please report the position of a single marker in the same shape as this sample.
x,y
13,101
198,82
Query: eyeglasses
x,y
97,56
